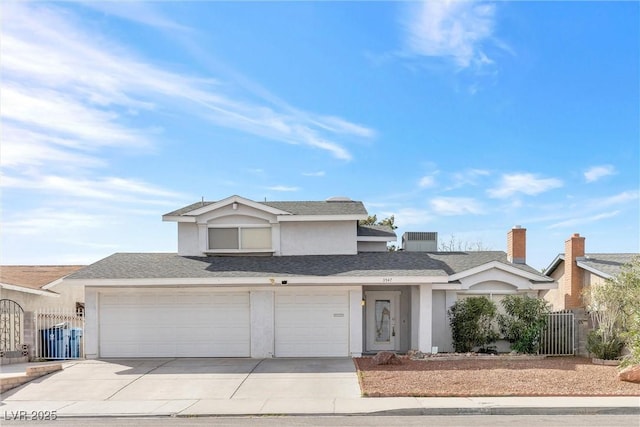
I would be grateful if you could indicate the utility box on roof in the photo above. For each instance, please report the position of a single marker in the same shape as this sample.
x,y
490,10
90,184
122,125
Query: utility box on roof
x,y
420,241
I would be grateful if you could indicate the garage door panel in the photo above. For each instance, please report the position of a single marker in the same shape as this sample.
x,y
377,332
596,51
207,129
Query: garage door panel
x,y
175,324
312,324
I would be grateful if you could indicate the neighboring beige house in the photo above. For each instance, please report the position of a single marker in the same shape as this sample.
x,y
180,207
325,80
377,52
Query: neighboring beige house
x,y
24,289
575,271
40,286
288,279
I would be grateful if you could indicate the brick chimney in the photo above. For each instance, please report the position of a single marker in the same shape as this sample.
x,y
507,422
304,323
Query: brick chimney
x,y
573,275
517,245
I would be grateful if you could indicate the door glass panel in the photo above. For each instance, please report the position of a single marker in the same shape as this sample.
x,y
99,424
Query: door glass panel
x,y
383,320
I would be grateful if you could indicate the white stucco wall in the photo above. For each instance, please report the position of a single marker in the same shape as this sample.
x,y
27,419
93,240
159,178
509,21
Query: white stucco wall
x,y
355,322
556,297
318,238
91,329
188,239
441,331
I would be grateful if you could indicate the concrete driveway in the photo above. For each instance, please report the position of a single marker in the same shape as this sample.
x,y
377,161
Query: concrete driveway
x,y
190,386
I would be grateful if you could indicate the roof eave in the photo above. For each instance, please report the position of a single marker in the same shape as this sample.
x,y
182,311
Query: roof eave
x,y
594,270
306,218
18,288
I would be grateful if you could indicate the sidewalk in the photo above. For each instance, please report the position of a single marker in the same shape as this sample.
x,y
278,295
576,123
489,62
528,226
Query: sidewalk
x,y
164,388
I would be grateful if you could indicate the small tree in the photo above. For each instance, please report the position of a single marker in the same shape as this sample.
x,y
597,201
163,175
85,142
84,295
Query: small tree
x,y
471,321
523,322
614,307
373,220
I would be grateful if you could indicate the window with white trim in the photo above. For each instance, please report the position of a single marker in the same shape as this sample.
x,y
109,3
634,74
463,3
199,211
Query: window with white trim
x,y
239,238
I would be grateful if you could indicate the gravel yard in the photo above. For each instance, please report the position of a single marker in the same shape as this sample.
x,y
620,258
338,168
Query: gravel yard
x,y
495,376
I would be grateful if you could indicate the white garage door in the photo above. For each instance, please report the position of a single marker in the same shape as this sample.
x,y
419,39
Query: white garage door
x,y
311,323
175,324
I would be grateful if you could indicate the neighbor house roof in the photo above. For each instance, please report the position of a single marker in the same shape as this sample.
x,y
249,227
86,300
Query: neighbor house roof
x,y
341,207
603,265
370,264
30,278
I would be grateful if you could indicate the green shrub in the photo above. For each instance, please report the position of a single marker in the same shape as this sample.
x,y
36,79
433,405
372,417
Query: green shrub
x,y
471,321
523,322
609,348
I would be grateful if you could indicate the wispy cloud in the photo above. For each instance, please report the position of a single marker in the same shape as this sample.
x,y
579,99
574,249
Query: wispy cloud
x,y
107,188
454,30
525,183
35,221
318,173
427,181
584,220
456,206
283,188
63,81
408,216
467,177
616,199
596,172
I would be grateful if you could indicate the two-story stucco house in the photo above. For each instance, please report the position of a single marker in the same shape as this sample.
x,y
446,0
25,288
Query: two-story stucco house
x,y
287,279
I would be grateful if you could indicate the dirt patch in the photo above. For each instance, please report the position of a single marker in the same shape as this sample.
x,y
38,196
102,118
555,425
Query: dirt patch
x,y
553,376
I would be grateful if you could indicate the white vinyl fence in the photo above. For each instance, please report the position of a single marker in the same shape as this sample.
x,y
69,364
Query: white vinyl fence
x,y
558,338
59,334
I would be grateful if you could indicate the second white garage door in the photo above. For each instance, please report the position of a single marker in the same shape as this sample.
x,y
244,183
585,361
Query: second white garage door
x,y
311,323
175,324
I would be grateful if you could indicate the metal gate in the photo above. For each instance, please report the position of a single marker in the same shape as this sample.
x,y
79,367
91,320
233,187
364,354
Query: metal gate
x,y
558,338
11,327
59,334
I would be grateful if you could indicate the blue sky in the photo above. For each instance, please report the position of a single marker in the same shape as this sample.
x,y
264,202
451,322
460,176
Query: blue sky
x,y
464,118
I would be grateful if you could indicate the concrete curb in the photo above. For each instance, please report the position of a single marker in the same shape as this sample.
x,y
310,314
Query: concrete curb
x,y
32,373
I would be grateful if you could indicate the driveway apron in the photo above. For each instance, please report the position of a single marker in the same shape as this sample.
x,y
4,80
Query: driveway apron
x,y
170,386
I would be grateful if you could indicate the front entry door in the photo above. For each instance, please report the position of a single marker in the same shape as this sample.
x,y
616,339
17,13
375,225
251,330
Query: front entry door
x,y
382,326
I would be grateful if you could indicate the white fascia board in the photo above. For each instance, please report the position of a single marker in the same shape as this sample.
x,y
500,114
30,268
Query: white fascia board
x,y
175,218
352,217
446,286
544,286
266,281
28,290
237,199
377,239
499,266
594,270
554,264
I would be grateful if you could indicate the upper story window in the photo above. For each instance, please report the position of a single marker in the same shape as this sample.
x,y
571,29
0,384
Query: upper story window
x,y
240,238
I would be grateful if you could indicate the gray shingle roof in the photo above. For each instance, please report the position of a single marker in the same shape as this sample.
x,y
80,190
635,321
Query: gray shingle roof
x,y
295,208
376,231
372,264
609,264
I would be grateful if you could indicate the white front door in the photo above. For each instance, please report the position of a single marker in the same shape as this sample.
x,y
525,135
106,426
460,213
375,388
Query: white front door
x,y
382,313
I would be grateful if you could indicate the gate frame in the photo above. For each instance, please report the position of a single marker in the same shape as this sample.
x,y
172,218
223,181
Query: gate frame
x,y
11,327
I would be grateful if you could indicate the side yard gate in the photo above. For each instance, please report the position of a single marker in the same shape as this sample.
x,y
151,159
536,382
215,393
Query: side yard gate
x,y
11,328
558,338
59,334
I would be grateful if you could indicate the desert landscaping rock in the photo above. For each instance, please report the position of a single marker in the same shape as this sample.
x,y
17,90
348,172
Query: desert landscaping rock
x,y
497,376
630,374
386,358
